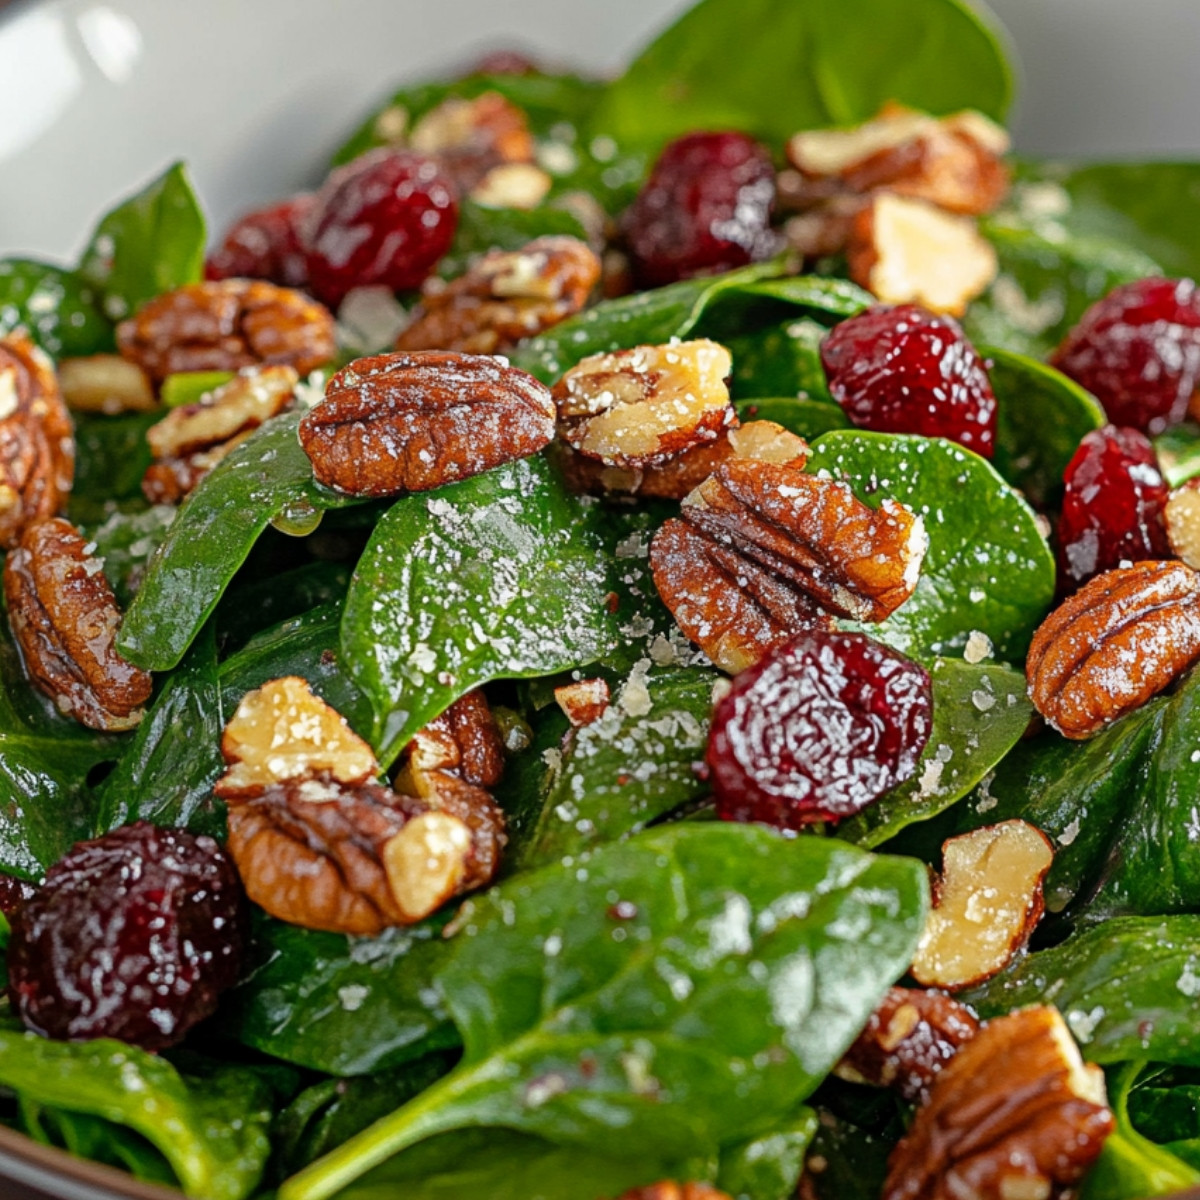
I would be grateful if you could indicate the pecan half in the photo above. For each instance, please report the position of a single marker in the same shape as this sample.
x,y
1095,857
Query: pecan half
x,y
1015,1113
37,445
410,422
472,137
65,620
632,408
907,1041
1122,638
506,296
762,552
227,324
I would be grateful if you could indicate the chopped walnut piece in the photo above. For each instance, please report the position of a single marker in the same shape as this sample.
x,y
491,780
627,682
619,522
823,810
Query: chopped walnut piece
x,y
65,620
1182,516
986,904
583,702
471,137
105,383
1016,1115
512,185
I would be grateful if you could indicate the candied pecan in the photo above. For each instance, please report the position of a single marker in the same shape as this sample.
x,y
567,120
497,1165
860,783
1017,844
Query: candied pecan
x,y
37,445
1122,638
411,422
464,740
1015,1113
471,137
907,1040
762,552
227,324
65,620
105,383
170,480
506,296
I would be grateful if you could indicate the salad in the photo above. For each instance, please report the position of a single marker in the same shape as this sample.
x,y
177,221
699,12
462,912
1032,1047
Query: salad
x,y
638,642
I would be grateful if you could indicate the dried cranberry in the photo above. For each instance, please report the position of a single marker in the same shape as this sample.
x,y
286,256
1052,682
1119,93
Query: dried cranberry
x,y
265,244
504,62
1113,506
132,936
384,219
903,369
818,730
13,893
1138,352
705,208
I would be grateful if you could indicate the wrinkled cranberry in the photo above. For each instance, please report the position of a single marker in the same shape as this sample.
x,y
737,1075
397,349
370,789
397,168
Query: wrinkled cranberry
x,y
902,369
13,893
384,219
705,208
1112,507
504,62
818,730
265,244
133,936
1138,352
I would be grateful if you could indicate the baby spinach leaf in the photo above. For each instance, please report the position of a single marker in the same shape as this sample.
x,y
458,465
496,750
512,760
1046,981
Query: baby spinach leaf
x,y
189,387
216,528
125,543
494,577
257,604
800,64
1178,451
111,456
750,965
988,567
482,229
768,1166
853,1161
807,417
979,713
59,309
781,361
1041,418
149,244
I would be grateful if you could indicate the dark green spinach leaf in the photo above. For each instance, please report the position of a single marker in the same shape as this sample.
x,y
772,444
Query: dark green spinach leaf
x,y
125,543
783,360
60,311
768,1166
482,229
1178,451
809,418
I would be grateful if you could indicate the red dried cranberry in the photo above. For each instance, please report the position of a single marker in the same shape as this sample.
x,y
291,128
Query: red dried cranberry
x,y
384,219
504,62
265,244
705,208
903,369
818,730
1112,506
132,936
1138,352
13,893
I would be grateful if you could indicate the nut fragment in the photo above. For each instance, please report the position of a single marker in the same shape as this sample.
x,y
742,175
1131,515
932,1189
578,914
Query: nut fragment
x,y
986,904
762,552
227,324
471,137
411,422
1122,638
668,1189
37,446
584,701
633,408
512,185
65,620
908,1039
464,740
1182,516
105,383
506,296
1016,1115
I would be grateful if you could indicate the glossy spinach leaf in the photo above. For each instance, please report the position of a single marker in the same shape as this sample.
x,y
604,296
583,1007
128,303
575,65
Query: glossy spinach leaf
x,y
768,1166
255,605
783,360
60,311
750,965
980,712
494,577
845,1162
988,568
482,229
1178,451
149,244
216,528
800,64
809,418
111,456
125,543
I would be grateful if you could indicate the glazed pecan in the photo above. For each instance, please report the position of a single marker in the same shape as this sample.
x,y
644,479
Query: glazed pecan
x,y
105,383
225,325
472,137
506,296
37,444
410,422
1015,1113
189,441
1122,638
65,620
907,1041
464,740
761,552
634,408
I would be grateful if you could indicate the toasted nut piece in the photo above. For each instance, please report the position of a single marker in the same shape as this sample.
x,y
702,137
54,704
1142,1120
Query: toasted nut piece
x,y
1016,1115
37,444
1122,638
225,325
909,252
105,383
584,701
668,1189
512,185
506,296
908,1039
170,480
282,732
425,863
471,137
1182,515
464,740
986,904
65,620
411,422
633,408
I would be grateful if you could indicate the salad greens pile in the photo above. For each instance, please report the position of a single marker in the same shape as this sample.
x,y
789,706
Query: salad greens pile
x,y
545,1049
